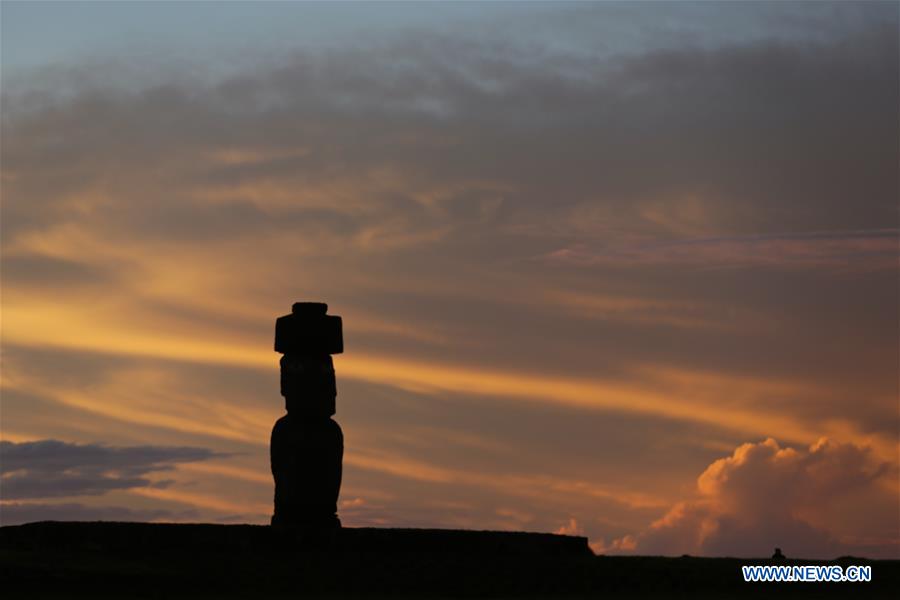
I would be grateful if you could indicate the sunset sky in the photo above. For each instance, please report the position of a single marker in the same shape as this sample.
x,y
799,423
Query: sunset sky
x,y
627,271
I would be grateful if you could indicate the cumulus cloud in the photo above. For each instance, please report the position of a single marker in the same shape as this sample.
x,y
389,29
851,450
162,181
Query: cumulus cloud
x,y
52,468
821,502
571,527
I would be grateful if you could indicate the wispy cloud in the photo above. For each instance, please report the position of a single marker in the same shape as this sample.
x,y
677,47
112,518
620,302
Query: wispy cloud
x,y
875,249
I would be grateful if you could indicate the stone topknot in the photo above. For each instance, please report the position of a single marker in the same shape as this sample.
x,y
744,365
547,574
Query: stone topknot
x,y
309,330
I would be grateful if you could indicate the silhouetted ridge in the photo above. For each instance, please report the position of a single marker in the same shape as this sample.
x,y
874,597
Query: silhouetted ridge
x,y
143,560
117,537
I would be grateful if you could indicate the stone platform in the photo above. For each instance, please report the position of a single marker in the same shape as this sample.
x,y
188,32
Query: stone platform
x,y
129,537
56,560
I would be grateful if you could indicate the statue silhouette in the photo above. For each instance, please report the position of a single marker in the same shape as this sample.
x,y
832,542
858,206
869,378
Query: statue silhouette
x,y
307,445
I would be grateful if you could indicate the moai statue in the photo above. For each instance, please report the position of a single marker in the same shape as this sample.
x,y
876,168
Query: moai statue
x,y
307,446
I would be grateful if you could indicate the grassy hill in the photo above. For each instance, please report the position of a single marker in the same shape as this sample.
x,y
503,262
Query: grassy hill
x,y
143,560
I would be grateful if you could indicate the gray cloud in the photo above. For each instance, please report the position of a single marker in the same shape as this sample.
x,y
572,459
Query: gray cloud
x,y
763,125
52,468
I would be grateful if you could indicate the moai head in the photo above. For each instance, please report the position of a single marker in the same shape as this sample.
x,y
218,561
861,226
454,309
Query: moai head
x,y
308,337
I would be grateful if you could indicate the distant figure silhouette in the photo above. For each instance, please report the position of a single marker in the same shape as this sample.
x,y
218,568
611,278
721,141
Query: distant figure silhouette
x,y
307,445
778,555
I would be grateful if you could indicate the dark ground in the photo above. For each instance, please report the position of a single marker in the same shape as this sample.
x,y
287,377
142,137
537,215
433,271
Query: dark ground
x,y
143,560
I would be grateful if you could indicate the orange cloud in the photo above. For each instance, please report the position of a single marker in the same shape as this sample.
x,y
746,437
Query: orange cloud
x,y
726,401
571,527
58,326
819,502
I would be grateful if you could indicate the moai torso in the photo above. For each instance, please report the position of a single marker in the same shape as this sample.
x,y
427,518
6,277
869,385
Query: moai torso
x,y
307,445
306,464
